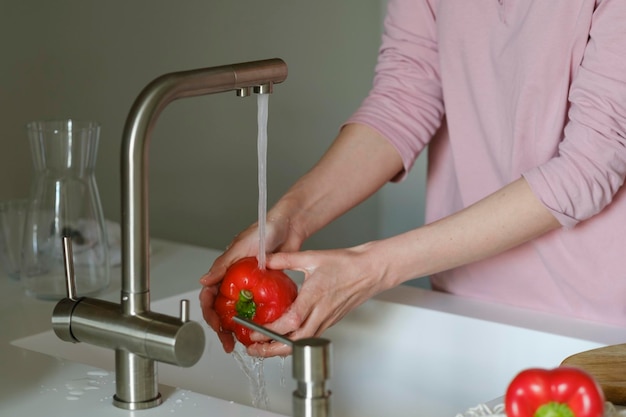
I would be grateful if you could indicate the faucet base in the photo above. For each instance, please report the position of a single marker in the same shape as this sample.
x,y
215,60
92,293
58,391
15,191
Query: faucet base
x,y
136,386
132,406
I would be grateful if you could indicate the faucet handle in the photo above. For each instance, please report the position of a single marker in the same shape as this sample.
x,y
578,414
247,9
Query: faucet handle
x,y
184,310
62,313
68,262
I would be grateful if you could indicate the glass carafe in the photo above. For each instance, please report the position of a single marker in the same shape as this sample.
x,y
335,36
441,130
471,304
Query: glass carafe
x,y
64,202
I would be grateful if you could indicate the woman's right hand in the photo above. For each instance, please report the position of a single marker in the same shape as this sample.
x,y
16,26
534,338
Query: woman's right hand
x,y
279,236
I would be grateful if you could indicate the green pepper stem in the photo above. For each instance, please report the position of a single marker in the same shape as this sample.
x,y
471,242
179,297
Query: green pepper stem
x,y
245,306
554,409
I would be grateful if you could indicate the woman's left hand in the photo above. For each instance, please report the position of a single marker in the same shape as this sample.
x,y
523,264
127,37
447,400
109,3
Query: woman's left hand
x,y
335,282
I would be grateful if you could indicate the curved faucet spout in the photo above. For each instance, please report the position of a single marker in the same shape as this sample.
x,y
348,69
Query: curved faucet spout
x,y
137,132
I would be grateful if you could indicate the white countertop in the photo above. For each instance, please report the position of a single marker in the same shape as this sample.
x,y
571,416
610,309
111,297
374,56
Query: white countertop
x,y
36,384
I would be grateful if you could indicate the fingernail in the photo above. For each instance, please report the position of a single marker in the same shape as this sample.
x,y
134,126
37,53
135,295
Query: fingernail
x,y
257,337
206,278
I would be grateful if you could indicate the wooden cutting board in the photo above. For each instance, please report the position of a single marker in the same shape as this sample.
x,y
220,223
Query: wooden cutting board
x,y
608,366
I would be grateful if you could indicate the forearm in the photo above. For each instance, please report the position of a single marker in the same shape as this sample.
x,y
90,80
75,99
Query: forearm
x,y
359,162
501,221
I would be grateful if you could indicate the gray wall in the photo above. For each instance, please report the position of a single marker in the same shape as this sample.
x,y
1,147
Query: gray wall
x,y
89,60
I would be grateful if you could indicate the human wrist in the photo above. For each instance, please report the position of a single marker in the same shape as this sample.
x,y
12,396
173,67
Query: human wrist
x,y
402,257
285,214
387,263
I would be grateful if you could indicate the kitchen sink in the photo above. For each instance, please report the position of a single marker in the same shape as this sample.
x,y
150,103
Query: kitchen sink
x,y
391,357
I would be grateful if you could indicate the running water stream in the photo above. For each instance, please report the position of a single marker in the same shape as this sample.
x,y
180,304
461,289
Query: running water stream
x,y
262,114
252,366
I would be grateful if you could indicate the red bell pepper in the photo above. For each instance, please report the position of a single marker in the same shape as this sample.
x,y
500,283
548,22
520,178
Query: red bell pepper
x,y
559,392
249,292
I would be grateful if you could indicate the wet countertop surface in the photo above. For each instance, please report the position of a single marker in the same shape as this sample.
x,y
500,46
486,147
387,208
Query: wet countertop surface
x,y
32,383
35,384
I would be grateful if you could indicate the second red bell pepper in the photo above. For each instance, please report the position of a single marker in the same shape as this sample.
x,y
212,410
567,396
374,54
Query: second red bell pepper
x,y
559,392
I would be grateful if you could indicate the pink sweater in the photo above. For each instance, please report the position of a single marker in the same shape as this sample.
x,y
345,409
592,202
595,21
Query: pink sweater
x,y
500,89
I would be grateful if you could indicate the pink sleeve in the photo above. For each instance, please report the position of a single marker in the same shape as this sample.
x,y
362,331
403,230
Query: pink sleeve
x,y
405,104
591,164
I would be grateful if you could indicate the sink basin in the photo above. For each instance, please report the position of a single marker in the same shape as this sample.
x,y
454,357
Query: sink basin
x,y
390,358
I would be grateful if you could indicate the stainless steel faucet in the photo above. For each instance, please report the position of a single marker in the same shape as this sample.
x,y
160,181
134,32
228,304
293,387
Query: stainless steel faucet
x,y
139,336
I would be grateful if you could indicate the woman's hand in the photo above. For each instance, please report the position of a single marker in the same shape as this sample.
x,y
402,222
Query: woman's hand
x,y
335,282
